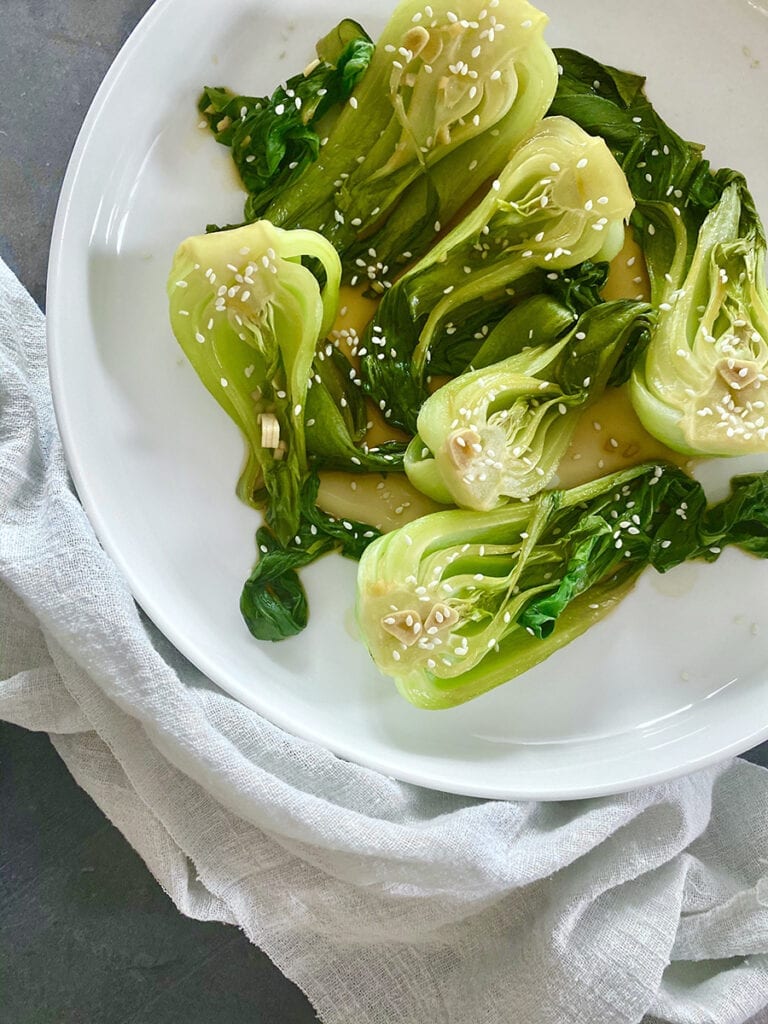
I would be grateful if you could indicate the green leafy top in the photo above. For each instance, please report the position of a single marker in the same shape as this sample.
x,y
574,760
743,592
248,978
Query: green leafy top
x,y
274,139
273,602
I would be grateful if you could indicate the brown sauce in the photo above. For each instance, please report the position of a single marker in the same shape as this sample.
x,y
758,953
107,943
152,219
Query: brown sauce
x,y
610,437
385,500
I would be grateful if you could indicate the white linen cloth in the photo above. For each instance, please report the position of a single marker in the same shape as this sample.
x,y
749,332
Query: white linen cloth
x,y
386,903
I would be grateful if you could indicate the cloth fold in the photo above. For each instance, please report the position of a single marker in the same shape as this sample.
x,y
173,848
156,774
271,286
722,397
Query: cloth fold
x,y
386,903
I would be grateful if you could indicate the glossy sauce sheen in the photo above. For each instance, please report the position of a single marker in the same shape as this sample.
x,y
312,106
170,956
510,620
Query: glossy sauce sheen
x,y
385,500
609,436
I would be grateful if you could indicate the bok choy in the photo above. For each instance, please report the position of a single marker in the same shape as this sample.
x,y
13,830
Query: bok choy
x,y
248,316
700,386
500,432
459,602
561,200
274,139
451,87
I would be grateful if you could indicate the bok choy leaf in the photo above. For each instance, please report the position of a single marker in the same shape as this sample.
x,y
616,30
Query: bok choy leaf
x,y
273,602
459,602
560,201
248,316
451,88
500,432
274,139
337,420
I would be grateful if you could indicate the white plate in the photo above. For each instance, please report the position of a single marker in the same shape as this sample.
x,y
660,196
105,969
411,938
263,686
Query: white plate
x,y
675,679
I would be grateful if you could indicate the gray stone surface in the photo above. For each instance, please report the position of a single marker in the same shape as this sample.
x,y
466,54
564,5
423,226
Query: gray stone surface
x,y
53,54
86,934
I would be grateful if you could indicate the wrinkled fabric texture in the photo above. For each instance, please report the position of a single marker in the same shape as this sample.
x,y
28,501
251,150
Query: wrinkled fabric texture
x,y
386,903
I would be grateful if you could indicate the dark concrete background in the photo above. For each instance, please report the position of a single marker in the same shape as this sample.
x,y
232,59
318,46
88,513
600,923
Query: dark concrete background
x,y
86,934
